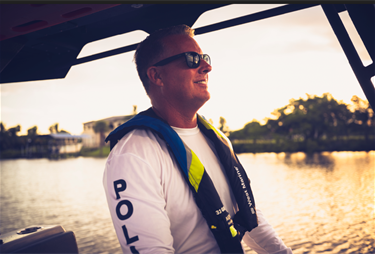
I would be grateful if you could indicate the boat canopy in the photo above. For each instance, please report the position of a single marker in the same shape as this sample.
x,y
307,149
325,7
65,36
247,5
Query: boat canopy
x,y
43,41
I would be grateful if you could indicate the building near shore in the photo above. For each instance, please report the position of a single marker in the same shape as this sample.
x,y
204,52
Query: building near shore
x,y
94,138
54,145
64,143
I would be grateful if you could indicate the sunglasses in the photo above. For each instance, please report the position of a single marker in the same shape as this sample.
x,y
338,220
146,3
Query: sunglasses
x,y
193,59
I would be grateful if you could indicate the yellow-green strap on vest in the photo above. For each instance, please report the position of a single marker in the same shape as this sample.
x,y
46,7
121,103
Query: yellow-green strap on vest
x,y
196,171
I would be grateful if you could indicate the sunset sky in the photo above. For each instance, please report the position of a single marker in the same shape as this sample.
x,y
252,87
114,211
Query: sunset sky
x,y
257,68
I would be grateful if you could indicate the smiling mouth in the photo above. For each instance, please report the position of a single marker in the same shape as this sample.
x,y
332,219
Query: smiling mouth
x,y
201,82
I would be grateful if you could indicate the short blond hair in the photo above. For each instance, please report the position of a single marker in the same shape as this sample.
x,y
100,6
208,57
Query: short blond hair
x,y
152,48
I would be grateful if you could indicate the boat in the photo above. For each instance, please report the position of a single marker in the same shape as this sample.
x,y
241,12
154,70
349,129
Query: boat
x,y
43,41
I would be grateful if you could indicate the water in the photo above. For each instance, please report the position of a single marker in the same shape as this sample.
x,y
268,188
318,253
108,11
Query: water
x,y
323,203
317,204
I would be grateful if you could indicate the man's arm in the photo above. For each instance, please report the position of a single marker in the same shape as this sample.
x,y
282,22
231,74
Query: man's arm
x,y
264,240
136,203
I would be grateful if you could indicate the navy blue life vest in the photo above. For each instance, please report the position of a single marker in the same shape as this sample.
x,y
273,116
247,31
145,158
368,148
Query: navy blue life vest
x,y
228,232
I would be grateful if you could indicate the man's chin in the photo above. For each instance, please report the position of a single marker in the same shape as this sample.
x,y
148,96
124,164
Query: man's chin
x,y
208,96
204,99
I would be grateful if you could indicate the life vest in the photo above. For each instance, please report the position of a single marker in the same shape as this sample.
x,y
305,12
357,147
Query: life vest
x,y
227,232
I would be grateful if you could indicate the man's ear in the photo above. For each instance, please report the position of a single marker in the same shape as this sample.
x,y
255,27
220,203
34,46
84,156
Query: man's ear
x,y
153,74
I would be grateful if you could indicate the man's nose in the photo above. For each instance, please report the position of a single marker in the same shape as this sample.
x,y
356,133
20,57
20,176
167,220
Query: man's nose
x,y
204,66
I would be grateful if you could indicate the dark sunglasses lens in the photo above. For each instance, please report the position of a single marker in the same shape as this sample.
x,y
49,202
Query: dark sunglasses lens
x,y
193,59
207,59
197,60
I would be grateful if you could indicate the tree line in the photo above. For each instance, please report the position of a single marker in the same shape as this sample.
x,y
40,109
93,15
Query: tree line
x,y
310,125
34,145
13,146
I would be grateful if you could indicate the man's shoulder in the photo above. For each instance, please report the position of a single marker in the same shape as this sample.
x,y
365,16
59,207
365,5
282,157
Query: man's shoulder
x,y
139,148
138,141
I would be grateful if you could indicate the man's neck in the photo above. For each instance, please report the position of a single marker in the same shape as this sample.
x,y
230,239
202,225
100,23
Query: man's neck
x,y
177,118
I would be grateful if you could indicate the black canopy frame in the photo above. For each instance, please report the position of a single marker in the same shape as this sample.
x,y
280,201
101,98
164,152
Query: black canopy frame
x,y
50,52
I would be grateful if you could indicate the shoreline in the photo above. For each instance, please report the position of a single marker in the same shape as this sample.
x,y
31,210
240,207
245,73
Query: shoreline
x,y
239,148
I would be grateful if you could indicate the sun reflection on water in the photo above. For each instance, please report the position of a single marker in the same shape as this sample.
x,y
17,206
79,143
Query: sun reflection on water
x,y
322,202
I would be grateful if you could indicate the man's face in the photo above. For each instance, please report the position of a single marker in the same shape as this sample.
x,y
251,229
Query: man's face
x,y
184,86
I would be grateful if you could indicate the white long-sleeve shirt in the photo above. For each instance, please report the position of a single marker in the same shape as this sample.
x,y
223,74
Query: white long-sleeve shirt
x,y
152,207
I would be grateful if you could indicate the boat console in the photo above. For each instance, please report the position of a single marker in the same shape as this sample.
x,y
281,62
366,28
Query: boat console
x,y
39,239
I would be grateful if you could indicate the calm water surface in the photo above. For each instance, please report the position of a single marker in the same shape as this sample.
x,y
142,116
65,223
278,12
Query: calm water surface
x,y
323,203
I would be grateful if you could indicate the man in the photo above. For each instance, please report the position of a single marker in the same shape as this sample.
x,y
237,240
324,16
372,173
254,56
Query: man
x,y
172,181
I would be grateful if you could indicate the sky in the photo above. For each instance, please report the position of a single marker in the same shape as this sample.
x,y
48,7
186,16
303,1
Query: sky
x,y
257,68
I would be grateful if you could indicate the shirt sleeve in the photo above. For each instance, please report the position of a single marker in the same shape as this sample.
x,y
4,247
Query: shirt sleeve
x,y
137,205
264,240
